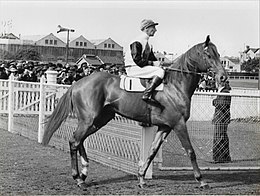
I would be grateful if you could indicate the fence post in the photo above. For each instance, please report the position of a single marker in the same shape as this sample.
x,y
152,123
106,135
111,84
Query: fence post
x,y
41,110
51,76
159,158
11,103
147,139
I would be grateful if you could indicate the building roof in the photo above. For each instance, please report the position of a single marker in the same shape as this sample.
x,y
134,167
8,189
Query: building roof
x,y
8,36
111,60
51,35
91,60
32,37
234,60
97,41
254,50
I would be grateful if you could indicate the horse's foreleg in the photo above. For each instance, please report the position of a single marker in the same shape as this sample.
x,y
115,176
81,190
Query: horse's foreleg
x,y
182,133
158,140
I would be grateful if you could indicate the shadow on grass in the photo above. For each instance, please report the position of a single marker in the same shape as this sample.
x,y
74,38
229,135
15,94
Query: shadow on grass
x,y
230,178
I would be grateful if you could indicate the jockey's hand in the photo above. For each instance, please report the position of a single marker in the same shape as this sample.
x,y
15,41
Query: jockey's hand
x,y
157,63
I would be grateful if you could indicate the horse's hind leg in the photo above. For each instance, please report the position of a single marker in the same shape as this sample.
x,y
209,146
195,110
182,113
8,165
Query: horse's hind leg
x,y
76,143
182,133
83,131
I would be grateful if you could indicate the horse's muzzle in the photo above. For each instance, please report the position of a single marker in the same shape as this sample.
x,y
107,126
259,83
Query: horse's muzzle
x,y
223,78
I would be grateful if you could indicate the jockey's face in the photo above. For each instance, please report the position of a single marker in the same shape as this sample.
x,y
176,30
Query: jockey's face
x,y
150,31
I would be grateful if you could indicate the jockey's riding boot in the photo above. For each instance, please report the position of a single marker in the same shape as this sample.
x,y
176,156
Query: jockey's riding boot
x,y
147,96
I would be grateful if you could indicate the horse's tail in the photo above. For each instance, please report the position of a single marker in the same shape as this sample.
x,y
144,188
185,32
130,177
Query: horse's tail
x,y
60,113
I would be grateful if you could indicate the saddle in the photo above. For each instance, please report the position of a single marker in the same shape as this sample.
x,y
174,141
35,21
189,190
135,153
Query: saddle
x,y
133,84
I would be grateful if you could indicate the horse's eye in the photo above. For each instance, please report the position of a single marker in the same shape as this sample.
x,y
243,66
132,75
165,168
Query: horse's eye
x,y
207,53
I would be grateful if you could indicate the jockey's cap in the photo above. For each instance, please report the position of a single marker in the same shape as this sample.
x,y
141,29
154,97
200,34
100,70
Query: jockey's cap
x,y
147,23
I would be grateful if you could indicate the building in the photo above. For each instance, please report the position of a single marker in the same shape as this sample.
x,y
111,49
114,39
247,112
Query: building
x,y
50,40
162,57
106,44
81,42
231,64
88,60
98,61
249,53
51,48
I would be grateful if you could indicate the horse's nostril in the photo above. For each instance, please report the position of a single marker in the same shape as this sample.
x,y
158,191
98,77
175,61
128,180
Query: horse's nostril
x,y
222,78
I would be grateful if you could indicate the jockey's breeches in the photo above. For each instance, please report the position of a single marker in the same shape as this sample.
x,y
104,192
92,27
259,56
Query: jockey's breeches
x,y
145,72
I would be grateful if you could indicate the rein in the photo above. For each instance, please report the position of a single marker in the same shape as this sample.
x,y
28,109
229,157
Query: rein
x,y
180,70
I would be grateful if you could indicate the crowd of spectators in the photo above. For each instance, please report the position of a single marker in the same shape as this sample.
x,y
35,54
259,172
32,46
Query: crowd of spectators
x,y
32,71
207,82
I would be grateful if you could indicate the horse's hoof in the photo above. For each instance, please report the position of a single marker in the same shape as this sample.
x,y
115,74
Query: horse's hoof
x,y
141,185
83,186
204,186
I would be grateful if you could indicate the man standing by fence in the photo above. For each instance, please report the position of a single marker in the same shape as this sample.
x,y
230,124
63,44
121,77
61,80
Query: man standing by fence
x,y
221,120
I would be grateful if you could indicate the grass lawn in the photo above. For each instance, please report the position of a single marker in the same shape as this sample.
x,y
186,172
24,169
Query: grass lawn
x,y
244,83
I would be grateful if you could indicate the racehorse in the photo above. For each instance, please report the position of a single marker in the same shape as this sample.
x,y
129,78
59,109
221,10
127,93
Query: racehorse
x,y
96,99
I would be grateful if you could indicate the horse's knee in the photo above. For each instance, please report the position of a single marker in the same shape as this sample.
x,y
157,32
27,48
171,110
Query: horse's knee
x,y
73,144
191,155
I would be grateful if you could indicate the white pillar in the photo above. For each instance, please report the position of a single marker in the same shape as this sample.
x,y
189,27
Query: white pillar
x,y
147,139
41,110
11,103
51,76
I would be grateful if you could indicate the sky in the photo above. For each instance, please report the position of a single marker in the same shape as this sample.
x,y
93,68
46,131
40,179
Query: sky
x,y
182,24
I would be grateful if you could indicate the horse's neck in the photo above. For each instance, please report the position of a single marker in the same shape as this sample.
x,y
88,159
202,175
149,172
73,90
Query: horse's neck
x,y
185,77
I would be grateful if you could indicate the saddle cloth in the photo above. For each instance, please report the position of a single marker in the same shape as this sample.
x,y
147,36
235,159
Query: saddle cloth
x,y
133,84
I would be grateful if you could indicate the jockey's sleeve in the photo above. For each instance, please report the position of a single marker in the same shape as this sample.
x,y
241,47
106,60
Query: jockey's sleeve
x,y
136,53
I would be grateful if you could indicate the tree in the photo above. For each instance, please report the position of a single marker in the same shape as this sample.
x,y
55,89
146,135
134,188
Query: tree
x,y
6,55
252,65
27,54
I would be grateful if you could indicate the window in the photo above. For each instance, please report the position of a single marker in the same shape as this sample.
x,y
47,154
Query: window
x,y
109,45
77,43
85,43
105,45
113,45
163,59
81,44
46,41
51,42
55,42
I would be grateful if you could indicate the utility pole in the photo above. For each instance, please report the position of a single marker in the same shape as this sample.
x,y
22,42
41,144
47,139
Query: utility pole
x,y
259,76
61,29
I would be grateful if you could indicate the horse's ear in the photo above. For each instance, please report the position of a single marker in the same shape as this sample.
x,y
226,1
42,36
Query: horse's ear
x,y
207,41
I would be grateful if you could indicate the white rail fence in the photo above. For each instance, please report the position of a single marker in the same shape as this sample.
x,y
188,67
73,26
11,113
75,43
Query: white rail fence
x,y
122,143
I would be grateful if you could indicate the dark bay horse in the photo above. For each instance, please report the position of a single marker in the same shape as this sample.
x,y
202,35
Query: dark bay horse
x,y
96,99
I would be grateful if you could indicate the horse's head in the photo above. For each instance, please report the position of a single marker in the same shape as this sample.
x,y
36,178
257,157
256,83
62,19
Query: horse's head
x,y
210,60
204,57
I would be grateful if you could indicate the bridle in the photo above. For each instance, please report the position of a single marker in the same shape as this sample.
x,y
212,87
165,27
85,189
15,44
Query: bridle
x,y
187,71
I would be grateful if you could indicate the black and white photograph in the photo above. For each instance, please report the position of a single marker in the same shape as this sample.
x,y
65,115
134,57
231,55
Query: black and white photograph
x,y
122,97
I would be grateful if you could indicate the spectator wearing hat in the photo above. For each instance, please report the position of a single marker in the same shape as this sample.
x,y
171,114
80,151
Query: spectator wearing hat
x,y
221,120
141,61
3,74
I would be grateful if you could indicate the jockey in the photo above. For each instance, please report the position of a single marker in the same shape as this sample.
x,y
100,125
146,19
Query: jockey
x,y
140,60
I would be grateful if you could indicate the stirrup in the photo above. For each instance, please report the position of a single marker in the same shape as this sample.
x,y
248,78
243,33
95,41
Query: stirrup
x,y
146,98
150,99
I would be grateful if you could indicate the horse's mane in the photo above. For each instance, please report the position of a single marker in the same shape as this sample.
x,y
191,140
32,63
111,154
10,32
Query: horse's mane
x,y
182,65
